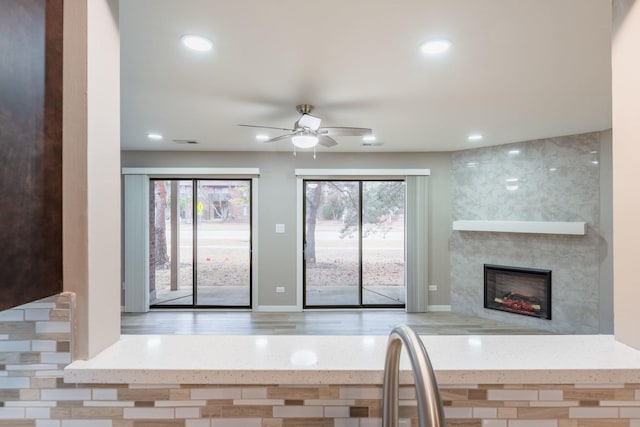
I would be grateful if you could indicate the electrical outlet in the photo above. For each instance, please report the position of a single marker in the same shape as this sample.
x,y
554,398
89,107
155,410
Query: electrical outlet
x,y
433,287
279,289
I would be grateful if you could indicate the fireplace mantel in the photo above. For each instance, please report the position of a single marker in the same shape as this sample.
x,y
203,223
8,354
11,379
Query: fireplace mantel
x,y
576,228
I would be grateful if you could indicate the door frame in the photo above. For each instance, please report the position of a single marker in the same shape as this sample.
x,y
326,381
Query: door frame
x,y
336,174
194,240
132,267
361,287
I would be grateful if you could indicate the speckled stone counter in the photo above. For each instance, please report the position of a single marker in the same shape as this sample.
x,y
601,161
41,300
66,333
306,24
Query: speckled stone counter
x,y
535,359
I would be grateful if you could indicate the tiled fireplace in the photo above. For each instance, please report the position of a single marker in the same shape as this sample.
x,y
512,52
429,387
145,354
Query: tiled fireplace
x,y
558,179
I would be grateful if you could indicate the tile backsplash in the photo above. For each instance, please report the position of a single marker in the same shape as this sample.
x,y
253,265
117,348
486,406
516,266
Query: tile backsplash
x,y
36,344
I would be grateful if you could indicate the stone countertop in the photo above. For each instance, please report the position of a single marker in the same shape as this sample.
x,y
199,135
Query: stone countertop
x,y
312,359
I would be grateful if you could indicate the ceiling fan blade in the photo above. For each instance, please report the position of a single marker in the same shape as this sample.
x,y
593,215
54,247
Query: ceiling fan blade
x,y
326,141
266,127
345,131
279,138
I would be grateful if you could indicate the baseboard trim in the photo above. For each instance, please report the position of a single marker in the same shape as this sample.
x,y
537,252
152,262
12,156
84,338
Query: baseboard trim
x,y
438,308
277,308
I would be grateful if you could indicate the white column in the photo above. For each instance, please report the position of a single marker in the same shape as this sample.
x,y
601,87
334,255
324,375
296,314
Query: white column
x,y
91,171
626,158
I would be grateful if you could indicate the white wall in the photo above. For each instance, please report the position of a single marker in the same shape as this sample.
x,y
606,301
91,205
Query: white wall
x,y
278,198
626,161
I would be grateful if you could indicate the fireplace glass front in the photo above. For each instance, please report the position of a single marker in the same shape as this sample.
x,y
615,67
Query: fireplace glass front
x,y
525,291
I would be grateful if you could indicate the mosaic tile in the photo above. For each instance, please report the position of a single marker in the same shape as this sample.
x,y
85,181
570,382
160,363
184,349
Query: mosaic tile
x,y
533,423
242,422
254,393
216,393
336,412
149,413
250,411
543,413
593,412
293,393
187,413
86,423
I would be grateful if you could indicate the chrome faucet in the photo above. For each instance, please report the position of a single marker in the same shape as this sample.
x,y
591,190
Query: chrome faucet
x,y
430,411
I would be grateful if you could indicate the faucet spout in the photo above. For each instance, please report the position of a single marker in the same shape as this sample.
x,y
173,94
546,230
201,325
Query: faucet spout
x,y
430,410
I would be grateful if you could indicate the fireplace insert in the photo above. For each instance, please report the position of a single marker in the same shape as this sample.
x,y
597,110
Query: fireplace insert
x,y
519,290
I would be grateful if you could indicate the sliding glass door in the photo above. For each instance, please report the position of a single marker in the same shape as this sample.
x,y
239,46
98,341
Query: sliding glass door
x,y
383,242
354,243
200,243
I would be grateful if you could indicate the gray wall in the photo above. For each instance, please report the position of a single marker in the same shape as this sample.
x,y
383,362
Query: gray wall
x,y
560,179
277,205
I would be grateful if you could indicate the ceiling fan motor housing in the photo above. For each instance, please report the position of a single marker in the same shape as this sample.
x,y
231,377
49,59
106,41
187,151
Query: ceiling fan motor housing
x,y
304,108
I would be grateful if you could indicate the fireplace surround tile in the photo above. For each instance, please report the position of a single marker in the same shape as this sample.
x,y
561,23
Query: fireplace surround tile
x,y
557,181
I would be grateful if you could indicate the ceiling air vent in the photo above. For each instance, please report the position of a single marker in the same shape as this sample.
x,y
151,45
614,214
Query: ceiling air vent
x,y
185,141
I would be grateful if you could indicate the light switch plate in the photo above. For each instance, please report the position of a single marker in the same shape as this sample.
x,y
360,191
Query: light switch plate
x,y
279,228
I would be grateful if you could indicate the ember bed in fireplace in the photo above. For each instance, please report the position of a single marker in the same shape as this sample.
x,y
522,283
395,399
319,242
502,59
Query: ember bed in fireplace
x,y
525,291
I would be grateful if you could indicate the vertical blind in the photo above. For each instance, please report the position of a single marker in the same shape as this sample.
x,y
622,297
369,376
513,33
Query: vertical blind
x,y
417,254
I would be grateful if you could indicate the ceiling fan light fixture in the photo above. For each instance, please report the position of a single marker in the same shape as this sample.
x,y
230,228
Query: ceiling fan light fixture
x,y
304,140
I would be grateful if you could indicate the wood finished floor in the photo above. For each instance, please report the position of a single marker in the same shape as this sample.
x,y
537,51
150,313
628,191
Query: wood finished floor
x,y
167,322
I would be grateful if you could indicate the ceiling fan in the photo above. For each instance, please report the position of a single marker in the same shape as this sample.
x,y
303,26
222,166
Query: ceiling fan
x,y
307,133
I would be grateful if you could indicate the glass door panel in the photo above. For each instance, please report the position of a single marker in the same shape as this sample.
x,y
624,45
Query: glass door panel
x,y
170,243
223,215
332,247
383,237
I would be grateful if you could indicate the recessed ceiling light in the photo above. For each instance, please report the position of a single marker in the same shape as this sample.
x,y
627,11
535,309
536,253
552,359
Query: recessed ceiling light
x,y
514,152
512,179
369,138
262,137
154,136
436,46
474,137
198,43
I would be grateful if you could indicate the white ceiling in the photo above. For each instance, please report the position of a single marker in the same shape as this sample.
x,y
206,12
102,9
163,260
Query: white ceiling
x,y
517,70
